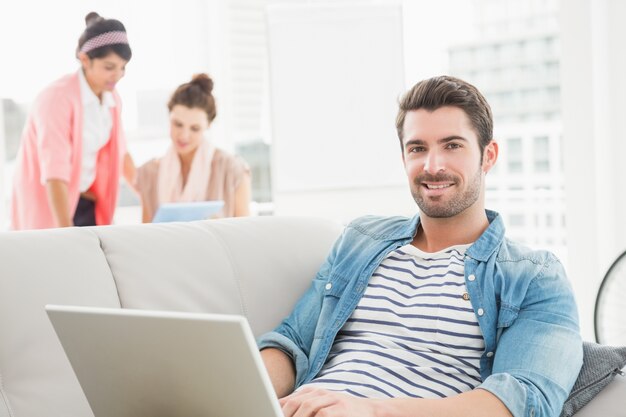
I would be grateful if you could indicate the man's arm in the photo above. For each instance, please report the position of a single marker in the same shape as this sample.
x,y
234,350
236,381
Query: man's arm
x,y
475,403
538,356
280,369
309,402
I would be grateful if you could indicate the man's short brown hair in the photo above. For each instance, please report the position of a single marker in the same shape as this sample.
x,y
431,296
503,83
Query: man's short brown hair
x,y
441,91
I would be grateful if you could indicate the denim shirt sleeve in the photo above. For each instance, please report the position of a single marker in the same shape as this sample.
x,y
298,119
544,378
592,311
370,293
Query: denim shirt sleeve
x,y
539,353
295,334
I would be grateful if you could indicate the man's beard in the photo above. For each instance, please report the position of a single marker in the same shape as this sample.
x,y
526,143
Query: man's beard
x,y
455,205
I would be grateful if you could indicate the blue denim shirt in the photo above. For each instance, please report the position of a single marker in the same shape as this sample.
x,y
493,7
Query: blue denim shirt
x,y
522,298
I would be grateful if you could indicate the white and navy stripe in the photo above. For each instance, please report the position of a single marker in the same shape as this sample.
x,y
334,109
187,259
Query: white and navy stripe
x,y
413,334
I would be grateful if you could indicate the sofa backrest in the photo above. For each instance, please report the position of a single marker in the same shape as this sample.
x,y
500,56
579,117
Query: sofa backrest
x,y
256,266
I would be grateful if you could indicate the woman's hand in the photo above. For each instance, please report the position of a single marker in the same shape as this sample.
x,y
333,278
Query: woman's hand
x,y
129,171
58,201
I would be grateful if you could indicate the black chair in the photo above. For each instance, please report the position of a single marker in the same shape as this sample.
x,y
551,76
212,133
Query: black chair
x,y
610,308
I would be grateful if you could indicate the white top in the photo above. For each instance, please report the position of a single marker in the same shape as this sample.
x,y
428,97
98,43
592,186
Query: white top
x,y
97,125
413,334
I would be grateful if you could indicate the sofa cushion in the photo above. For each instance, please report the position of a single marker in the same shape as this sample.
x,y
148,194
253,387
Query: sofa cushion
x,y
600,365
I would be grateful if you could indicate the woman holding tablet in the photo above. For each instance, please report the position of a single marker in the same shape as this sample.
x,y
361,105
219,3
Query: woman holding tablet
x,y
193,169
73,150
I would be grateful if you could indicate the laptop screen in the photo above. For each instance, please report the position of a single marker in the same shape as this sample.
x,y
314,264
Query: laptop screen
x,y
139,363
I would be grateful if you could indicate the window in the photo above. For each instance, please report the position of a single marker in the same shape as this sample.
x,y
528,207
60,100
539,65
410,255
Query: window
x,y
14,116
532,98
517,220
515,157
461,58
552,72
534,49
509,52
553,96
541,147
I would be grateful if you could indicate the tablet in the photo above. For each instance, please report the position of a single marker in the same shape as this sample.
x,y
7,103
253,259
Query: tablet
x,y
140,363
185,212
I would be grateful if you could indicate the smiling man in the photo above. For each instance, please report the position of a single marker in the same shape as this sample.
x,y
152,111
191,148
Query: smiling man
x,y
435,315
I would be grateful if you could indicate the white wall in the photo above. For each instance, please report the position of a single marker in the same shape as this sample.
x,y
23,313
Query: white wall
x,y
594,104
334,99
346,204
3,207
171,40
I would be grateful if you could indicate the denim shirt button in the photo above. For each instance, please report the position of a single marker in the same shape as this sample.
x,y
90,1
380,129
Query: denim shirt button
x,y
328,286
481,311
489,354
472,277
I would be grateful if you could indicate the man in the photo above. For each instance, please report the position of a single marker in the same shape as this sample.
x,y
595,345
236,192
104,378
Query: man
x,y
439,314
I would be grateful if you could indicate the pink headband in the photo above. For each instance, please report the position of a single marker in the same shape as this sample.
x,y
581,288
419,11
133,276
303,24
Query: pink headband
x,y
105,39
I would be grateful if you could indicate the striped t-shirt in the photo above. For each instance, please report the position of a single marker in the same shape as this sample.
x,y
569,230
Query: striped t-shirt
x,y
413,334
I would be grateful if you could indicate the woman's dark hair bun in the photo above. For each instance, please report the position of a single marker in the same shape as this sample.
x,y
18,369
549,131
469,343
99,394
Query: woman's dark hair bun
x,y
91,18
204,82
196,94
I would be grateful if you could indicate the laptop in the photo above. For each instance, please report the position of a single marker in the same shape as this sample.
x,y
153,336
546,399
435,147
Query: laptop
x,y
139,363
185,212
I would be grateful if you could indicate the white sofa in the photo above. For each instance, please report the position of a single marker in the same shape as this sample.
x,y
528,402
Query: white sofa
x,y
257,267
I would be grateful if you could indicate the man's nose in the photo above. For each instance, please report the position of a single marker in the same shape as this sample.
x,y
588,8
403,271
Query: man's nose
x,y
433,163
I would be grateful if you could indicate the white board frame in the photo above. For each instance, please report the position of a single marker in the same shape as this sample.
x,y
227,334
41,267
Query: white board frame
x,y
336,73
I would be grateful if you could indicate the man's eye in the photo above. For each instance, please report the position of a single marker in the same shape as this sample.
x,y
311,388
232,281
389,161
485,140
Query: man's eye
x,y
453,146
417,149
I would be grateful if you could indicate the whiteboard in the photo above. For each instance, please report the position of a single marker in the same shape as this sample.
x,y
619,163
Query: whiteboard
x,y
336,73
3,199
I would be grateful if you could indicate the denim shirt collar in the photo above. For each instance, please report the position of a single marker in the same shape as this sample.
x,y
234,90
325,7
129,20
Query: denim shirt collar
x,y
480,250
490,240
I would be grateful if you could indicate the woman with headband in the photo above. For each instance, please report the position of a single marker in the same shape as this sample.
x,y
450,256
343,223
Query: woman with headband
x,y
73,150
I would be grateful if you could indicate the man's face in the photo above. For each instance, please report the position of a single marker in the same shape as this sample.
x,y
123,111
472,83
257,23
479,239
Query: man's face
x,y
443,162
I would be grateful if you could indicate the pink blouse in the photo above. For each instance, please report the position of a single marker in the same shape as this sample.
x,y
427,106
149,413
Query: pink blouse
x,y
51,148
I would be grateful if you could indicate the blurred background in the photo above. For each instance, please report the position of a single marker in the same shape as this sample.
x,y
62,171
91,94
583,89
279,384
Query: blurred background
x,y
284,70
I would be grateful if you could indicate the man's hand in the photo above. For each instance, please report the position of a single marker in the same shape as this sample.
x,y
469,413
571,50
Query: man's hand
x,y
309,402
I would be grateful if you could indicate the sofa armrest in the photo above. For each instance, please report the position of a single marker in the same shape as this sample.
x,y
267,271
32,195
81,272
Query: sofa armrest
x,y
609,402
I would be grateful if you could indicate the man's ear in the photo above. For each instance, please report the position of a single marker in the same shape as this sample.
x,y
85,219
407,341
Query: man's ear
x,y
490,156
